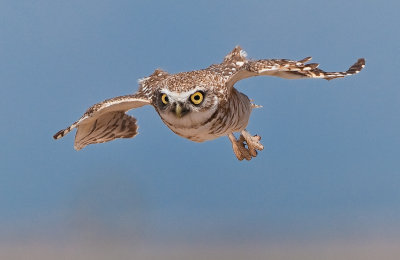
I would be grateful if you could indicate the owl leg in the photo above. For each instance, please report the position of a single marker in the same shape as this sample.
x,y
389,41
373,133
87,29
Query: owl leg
x,y
239,148
253,142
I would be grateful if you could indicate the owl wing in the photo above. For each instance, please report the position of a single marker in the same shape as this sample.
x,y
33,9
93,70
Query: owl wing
x,y
106,121
240,68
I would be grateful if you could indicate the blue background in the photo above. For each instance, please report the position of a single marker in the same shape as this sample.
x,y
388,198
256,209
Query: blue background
x,y
330,167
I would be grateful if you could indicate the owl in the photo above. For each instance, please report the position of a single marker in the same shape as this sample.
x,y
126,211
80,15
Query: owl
x,y
199,105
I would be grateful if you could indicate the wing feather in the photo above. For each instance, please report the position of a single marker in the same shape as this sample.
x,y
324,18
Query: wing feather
x,y
105,121
283,68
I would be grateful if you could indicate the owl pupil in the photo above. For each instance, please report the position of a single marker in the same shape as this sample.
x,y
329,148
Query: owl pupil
x,y
197,97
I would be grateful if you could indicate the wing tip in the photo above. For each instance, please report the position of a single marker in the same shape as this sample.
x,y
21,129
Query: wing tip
x,y
64,132
356,67
61,133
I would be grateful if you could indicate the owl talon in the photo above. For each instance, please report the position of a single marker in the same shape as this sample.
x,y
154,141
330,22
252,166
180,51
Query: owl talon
x,y
245,139
253,143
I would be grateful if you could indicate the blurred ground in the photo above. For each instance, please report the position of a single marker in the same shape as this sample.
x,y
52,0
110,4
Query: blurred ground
x,y
343,250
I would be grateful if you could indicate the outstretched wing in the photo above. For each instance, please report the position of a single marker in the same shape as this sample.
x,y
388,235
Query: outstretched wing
x,y
241,68
105,121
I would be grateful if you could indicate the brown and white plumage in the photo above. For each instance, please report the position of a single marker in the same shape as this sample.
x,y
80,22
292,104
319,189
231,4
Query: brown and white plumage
x,y
198,105
105,121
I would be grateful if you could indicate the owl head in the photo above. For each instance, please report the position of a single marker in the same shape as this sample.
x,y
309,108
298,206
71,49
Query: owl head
x,y
186,108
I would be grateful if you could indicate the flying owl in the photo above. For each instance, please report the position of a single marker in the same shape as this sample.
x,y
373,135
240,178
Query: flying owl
x,y
199,105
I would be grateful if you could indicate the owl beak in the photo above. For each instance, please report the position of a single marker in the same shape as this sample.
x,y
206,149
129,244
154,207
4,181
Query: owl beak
x,y
180,110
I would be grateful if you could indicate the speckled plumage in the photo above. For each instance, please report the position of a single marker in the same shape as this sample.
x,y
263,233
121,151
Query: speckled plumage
x,y
199,105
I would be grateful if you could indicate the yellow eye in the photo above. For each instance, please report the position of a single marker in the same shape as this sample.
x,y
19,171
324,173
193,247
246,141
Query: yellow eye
x,y
164,99
196,98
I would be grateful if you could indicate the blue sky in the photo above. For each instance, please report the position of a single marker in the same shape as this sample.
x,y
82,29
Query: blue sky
x,y
330,167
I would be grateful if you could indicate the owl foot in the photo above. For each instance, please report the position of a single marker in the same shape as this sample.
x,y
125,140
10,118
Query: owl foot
x,y
239,146
253,142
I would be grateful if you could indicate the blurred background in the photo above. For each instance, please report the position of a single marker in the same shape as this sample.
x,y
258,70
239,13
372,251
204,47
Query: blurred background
x,y
326,185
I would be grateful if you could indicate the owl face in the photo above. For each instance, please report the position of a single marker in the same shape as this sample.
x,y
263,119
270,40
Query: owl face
x,y
186,108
